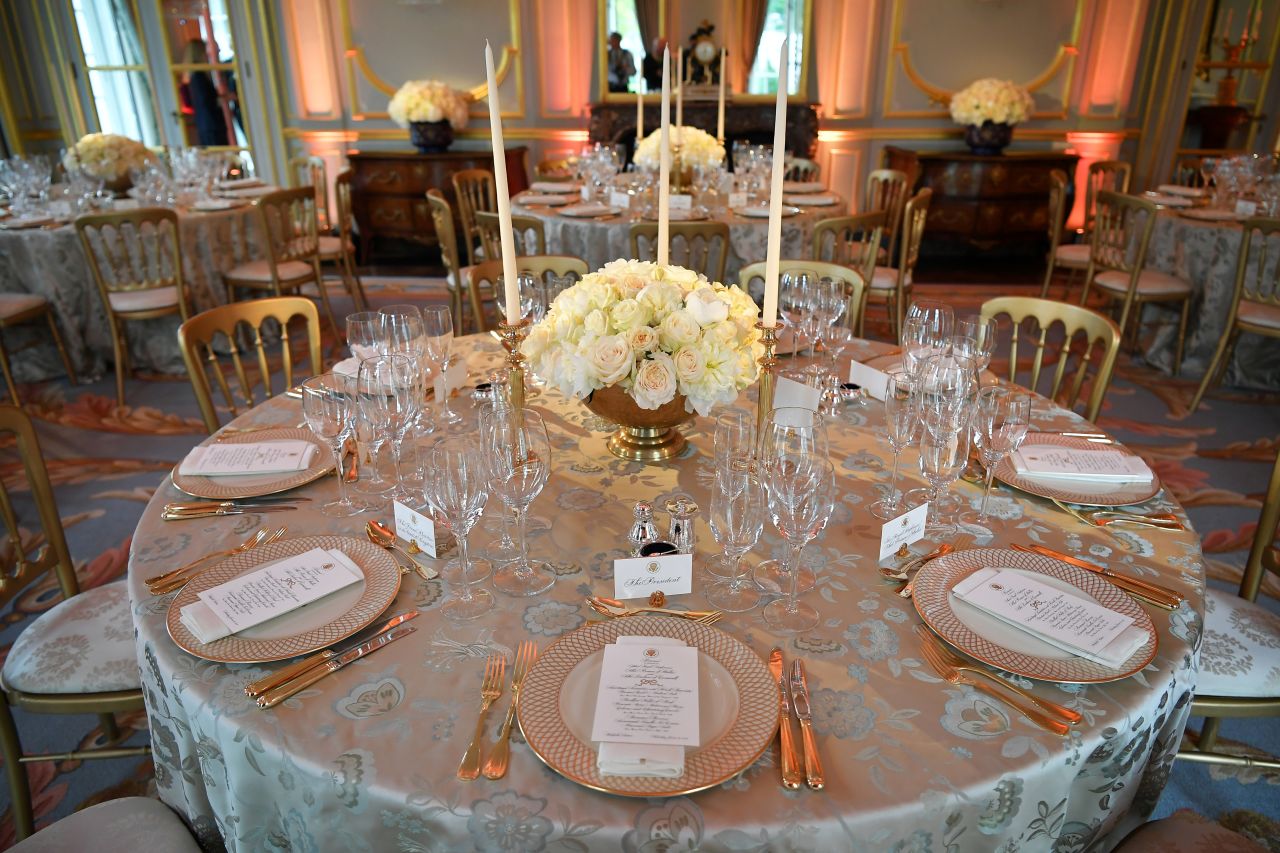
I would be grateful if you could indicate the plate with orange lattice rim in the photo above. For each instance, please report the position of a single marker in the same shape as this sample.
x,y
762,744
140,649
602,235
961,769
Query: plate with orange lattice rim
x,y
258,485
992,641
1075,491
738,706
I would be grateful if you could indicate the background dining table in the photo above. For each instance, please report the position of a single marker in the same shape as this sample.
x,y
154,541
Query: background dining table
x,y
50,262
365,759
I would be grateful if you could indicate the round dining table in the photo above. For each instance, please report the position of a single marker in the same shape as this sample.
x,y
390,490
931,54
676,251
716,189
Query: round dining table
x,y
365,759
50,262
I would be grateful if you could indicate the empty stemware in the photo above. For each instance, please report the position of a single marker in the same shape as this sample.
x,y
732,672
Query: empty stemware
x,y
801,499
457,487
737,516
328,407
438,323
901,422
1000,424
788,433
519,456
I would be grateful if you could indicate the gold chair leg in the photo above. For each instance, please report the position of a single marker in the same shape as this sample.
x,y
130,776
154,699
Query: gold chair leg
x,y
110,729
16,771
1209,734
1217,364
1048,277
324,298
362,300
120,347
8,374
1182,335
62,349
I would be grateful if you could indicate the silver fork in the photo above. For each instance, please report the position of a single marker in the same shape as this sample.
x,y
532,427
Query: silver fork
x,y
495,767
490,689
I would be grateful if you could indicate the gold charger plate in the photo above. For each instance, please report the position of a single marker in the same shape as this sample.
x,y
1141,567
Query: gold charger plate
x,y
307,629
738,706
258,485
994,642
1082,492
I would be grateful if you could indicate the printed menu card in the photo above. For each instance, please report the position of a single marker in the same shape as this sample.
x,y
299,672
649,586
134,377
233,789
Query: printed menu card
x,y
1065,463
275,589
647,706
266,457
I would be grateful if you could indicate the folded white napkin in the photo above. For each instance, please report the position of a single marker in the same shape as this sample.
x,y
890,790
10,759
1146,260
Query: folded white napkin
x,y
587,208
542,198
803,186
1052,462
201,620
272,457
556,187
1113,654
642,759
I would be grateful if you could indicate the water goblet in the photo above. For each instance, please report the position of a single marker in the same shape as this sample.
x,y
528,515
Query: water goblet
x,y
942,458
801,499
439,342
519,459
901,422
737,516
389,392
1000,424
328,408
457,487
788,433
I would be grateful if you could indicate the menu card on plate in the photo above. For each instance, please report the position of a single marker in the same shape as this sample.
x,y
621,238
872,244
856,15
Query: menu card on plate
x,y
275,589
265,457
1050,461
1071,622
647,707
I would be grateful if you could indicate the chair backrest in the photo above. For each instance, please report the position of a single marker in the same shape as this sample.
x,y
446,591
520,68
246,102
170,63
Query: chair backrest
x,y
1099,346
310,171
342,200
1122,228
530,237
442,218
1264,556
288,220
801,169
914,215
855,285
700,246
133,250
853,241
474,191
1186,172
1112,175
20,569
888,190
483,279
554,170
1057,209
1258,264
197,337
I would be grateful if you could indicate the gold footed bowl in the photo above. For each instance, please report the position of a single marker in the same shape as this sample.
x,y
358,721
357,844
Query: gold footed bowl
x,y
644,435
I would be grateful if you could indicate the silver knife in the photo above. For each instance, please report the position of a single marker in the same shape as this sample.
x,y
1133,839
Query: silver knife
x,y
184,514
800,698
274,697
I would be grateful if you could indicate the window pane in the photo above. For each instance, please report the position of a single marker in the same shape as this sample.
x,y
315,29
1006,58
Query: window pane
x,y
123,100
199,31
763,79
210,108
107,33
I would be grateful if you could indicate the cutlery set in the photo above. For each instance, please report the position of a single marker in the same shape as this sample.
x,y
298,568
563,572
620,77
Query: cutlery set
x,y
793,692
495,767
187,510
1151,593
1108,517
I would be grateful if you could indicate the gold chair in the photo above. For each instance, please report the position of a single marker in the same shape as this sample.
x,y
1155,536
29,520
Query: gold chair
x,y
1103,175
853,280
340,249
554,170
1240,656
888,190
136,259
1097,331
853,241
17,309
530,238
310,171
89,632
442,218
1186,172
705,245
1072,257
287,219
197,336
474,191
482,280
1255,305
891,286
1123,225
801,169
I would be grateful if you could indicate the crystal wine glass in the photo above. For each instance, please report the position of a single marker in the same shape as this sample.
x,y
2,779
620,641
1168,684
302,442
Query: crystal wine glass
x,y
901,422
457,486
1000,424
942,458
787,433
390,392
328,407
505,549
734,442
439,330
519,457
737,516
801,499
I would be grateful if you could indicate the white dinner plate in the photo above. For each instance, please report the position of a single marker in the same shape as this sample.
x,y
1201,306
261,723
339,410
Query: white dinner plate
x,y
762,211
543,199
556,187
1085,492
249,192
1165,200
257,485
1208,214
1185,192
239,183
18,223
215,204
589,211
819,200
803,186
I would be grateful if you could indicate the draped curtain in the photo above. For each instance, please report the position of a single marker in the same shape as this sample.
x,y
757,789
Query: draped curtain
x,y
648,16
754,13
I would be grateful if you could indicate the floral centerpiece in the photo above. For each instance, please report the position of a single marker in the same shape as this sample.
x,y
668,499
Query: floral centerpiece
x,y
990,108
645,346
690,148
432,111
108,157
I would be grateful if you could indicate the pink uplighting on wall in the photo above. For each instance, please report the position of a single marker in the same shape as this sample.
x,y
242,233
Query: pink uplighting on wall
x,y
1092,146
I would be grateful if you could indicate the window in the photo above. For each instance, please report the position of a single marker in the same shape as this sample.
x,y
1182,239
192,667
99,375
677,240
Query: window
x,y
202,58
621,19
117,68
784,18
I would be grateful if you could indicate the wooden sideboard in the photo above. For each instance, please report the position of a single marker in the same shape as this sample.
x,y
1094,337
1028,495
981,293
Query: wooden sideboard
x,y
615,122
388,189
983,202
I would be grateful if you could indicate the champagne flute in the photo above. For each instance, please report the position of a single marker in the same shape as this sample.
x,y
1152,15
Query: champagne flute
x,y
457,485
1001,421
389,393
519,458
327,407
504,550
439,341
801,499
901,422
366,337
734,443
942,457
788,433
737,516
794,294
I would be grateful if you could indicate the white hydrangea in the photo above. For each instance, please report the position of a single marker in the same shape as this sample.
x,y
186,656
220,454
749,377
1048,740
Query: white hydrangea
x,y
696,148
429,100
989,99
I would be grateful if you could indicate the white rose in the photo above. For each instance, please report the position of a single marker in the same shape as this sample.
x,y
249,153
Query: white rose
x,y
655,382
690,365
706,306
611,358
686,279
678,330
628,314
661,297
642,339
596,323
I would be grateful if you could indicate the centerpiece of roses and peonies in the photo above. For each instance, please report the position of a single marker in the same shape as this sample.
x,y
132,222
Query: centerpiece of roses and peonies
x,y
993,100
107,156
429,101
691,146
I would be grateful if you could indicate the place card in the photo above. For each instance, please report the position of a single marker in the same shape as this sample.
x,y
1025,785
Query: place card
x,y
680,201
648,695
413,526
738,200
585,192
873,381
903,530
789,394
1063,619
230,460
275,589
620,200
450,380
1245,207
640,577
1065,463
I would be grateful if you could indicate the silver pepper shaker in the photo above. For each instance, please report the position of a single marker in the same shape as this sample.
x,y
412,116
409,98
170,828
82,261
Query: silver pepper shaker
x,y
681,509
643,530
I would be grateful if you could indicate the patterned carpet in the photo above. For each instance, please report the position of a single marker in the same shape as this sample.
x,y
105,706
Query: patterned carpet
x,y
105,463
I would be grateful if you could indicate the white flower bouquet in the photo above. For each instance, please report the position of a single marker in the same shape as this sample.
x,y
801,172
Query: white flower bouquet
x,y
989,99
107,156
429,100
696,148
655,331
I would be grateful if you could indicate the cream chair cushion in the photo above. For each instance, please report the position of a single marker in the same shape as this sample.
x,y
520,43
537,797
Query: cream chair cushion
x,y
82,645
1072,255
261,271
1259,314
1240,655
126,825
886,278
13,304
152,299
334,247
1150,283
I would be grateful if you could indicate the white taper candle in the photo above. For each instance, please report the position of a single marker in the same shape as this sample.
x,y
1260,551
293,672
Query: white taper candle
x,y
720,110
664,163
639,117
680,87
770,316
510,286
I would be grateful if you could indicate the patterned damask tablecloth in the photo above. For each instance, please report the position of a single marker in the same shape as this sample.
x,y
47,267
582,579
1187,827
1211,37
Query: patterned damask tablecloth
x,y
1205,254
52,264
598,241
365,761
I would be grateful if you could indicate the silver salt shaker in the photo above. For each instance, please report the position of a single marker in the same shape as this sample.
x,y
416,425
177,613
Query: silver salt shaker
x,y
681,509
643,530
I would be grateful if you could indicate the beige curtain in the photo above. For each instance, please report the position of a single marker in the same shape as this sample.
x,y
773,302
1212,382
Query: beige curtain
x,y
753,17
648,15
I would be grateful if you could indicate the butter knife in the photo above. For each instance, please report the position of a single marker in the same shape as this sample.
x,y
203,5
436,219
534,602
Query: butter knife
x,y
293,670
800,698
274,697
1153,593
790,762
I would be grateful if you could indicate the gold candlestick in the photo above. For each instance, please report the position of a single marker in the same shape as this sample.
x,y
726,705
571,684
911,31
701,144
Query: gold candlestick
x,y
768,365
512,337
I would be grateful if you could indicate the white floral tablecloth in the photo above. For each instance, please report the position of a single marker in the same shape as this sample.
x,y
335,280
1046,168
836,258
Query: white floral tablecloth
x,y
365,760
51,263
